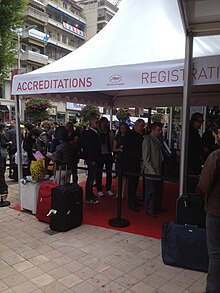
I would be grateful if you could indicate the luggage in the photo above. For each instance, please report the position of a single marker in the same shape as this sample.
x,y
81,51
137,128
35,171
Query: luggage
x,y
190,210
184,246
44,201
29,195
66,207
44,197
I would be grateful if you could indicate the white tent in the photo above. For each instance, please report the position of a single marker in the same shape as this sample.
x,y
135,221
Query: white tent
x,y
152,53
131,62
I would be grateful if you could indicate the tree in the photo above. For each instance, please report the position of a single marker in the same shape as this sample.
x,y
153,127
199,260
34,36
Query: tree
x,y
88,112
123,115
37,109
158,117
11,17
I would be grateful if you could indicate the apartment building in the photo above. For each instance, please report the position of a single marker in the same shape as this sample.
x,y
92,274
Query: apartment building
x,y
51,30
98,13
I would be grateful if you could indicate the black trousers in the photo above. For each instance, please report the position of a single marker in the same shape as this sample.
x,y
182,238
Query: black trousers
x,y
3,185
133,166
153,195
107,161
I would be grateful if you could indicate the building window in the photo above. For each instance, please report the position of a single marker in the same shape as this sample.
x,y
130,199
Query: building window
x,y
101,12
64,5
64,39
23,47
12,113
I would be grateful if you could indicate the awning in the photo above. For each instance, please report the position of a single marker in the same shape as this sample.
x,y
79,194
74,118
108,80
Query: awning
x,y
4,108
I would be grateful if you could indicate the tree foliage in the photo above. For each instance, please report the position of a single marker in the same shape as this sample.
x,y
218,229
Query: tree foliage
x,y
123,114
11,17
88,112
37,109
158,117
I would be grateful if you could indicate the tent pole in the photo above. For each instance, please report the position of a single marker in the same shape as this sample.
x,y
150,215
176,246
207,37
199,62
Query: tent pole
x,y
111,116
186,113
170,127
18,137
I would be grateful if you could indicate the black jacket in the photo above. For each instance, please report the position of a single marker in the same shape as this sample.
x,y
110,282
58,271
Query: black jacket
x,y
91,146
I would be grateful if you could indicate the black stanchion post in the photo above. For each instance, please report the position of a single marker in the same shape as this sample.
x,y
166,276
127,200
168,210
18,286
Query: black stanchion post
x,y
4,203
119,222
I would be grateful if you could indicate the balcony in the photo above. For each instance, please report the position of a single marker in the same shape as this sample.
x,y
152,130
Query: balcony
x,y
37,15
34,57
39,3
67,28
36,35
70,13
57,43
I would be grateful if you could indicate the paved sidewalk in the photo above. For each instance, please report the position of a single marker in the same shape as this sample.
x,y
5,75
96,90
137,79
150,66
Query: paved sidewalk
x,y
86,259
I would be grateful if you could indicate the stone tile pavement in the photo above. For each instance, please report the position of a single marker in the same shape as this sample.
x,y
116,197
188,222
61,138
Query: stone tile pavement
x,y
86,259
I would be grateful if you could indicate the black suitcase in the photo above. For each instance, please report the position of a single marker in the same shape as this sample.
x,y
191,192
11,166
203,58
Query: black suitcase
x,y
66,207
190,210
184,246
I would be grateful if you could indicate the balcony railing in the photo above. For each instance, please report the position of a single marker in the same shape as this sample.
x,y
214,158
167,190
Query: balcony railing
x,y
40,3
37,14
108,5
34,57
69,12
63,26
55,42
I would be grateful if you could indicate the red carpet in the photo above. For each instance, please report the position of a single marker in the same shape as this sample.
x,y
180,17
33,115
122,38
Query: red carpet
x,y
140,223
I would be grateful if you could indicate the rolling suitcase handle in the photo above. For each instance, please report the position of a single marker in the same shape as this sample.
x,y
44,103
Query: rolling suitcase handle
x,y
52,211
60,164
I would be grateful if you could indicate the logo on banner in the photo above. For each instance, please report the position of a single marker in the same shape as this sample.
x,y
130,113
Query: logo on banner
x,y
115,80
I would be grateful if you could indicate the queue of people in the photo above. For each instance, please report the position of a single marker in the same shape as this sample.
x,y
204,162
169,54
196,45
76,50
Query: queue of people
x,y
137,150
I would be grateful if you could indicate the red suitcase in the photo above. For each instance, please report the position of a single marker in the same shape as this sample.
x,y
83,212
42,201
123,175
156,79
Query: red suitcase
x,y
44,197
44,201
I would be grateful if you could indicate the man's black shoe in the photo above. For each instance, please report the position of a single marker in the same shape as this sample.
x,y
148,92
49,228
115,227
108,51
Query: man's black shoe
x,y
139,202
162,210
151,214
134,208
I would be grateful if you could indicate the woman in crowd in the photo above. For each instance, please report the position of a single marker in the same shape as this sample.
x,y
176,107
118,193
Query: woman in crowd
x,y
118,146
4,143
30,146
64,154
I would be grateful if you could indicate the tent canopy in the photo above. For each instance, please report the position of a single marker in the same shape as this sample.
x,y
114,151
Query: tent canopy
x,y
137,59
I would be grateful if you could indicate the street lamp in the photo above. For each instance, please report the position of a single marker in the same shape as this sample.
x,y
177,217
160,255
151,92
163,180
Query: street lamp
x,y
18,104
19,32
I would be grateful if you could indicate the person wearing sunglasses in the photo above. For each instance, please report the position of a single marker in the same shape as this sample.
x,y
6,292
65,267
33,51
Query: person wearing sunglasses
x,y
195,151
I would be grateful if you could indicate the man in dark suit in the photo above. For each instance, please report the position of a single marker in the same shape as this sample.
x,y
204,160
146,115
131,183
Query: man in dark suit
x,y
133,154
92,151
11,136
195,151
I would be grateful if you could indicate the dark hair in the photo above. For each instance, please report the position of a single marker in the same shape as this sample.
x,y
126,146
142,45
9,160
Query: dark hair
x,y
156,124
196,116
103,119
216,125
34,132
62,133
29,126
124,124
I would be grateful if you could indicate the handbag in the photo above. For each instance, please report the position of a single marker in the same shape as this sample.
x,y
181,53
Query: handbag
x,y
185,246
4,152
24,155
